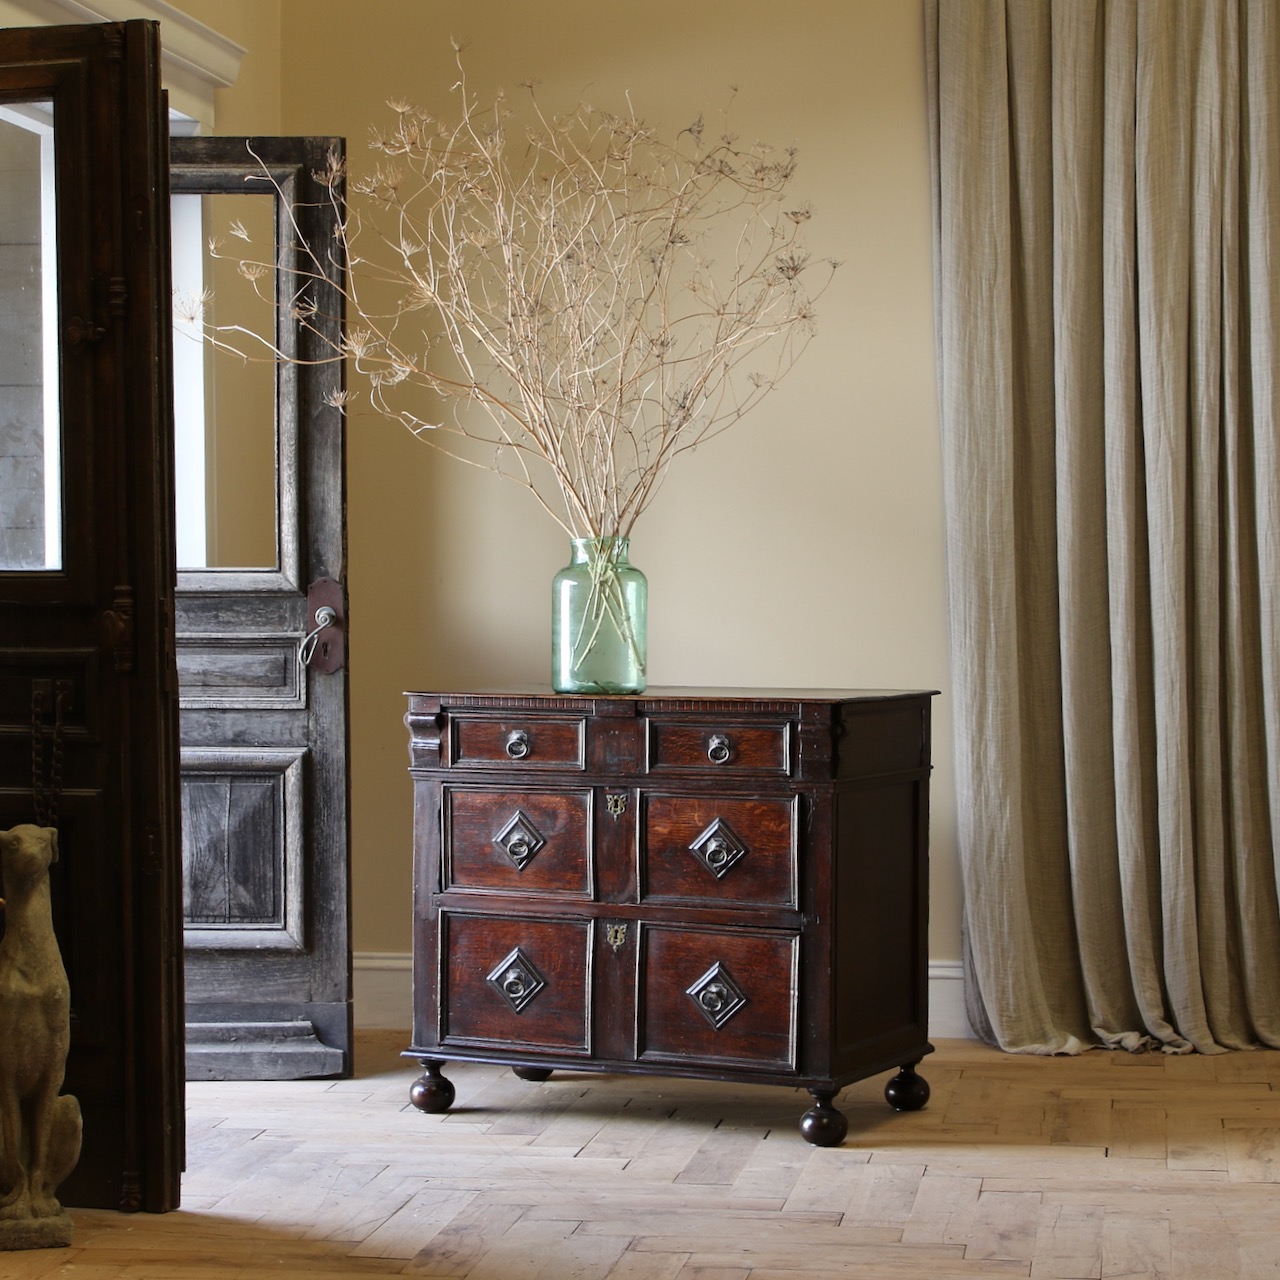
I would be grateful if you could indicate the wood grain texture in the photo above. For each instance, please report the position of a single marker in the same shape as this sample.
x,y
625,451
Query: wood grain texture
x,y
751,909
635,1178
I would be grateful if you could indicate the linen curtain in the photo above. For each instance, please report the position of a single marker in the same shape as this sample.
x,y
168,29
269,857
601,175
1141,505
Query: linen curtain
x,y
1107,219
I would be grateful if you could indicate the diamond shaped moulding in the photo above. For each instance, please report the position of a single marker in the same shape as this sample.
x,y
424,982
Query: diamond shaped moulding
x,y
520,840
516,979
716,995
718,848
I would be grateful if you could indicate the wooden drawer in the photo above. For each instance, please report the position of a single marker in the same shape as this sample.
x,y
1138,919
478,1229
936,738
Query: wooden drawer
x,y
718,996
517,741
719,850
514,981
517,841
720,747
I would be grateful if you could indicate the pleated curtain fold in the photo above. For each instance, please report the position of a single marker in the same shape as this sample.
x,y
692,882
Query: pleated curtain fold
x,y
1107,220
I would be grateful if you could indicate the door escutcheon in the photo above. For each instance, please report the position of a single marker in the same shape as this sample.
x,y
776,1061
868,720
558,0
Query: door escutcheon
x,y
326,650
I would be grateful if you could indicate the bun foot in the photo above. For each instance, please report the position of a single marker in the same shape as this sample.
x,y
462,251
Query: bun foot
x,y
431,1092
907,1091
822,1124
535,1075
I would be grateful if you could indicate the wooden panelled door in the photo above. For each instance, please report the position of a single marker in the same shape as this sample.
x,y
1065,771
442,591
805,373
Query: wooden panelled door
x,y
261,618
88,713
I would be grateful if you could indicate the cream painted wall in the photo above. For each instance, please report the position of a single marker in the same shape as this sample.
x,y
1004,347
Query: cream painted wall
x,y
252,104
803,548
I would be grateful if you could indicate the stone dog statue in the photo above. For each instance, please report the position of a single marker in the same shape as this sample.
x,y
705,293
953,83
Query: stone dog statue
x,y
39,1130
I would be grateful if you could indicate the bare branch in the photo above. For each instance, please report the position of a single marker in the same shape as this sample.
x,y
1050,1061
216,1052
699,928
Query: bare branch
x,y
555,280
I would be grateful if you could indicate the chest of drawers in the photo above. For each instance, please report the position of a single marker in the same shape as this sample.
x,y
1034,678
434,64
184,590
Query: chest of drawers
x,y
724,884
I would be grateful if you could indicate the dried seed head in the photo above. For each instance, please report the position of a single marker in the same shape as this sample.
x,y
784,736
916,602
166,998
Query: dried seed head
x,y
190,308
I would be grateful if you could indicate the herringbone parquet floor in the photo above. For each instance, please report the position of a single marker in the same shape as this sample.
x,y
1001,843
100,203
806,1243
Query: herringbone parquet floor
x,y
1107,1165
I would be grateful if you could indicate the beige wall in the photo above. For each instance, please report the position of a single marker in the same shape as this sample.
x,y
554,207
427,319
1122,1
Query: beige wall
x,y
252,104
803,548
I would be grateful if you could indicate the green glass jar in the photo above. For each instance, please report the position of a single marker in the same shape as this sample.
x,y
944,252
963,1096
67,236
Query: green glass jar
x,y
599,617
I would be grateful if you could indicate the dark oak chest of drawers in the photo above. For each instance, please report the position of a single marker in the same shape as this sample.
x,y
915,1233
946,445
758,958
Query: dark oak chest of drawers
x,y
726,884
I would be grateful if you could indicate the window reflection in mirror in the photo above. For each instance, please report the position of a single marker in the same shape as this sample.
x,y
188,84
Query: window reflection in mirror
x,y
224,406
30,436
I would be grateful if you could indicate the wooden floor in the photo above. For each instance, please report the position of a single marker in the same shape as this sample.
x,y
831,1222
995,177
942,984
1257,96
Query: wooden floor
x,y
1107,1165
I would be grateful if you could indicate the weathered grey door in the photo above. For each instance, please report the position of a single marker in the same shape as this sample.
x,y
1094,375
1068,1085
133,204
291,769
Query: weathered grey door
x,y
261,619
88,716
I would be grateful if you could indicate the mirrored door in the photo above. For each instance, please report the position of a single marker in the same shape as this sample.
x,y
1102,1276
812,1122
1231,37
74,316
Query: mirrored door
x,y
88,716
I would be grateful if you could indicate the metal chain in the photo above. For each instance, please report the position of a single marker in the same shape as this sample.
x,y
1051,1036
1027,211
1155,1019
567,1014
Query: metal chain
x,y
46,788
37,753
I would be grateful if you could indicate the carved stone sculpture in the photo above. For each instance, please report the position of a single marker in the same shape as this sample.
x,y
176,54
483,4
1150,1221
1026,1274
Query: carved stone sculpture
x,y
39,1129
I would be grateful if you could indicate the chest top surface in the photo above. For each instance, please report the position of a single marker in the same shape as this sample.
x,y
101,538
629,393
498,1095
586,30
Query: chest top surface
x,y
629,704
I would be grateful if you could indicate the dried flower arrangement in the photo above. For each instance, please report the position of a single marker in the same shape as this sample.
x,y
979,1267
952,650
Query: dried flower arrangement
x,y
569,301
562,277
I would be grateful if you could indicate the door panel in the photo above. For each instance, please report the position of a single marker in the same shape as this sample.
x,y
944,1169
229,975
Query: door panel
x,y
264,737
88,715
242,830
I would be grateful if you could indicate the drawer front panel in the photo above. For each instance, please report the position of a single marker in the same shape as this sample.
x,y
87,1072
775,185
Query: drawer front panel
x,y
518,841
719,747
718,996
719,851
518,741
514,982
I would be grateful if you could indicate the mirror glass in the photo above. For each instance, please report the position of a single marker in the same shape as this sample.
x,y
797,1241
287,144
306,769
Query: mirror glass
x,y
30,436
225,449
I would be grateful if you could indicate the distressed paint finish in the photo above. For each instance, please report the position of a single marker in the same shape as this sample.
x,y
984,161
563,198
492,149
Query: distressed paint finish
x,y
264,738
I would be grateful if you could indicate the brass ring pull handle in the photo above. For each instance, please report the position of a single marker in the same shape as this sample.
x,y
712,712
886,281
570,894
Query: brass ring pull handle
x,y
719,749
717,852
713,997
518,744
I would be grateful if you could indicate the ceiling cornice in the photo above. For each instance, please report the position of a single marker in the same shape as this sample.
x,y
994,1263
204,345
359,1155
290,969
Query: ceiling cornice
x,y
195,59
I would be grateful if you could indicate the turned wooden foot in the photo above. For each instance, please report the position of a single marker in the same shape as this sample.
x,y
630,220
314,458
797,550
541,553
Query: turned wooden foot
x,y
431,1092
822,1124
907,1091
535,1075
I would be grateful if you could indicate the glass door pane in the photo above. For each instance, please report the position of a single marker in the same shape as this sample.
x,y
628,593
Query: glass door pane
x,y
30,439
225,430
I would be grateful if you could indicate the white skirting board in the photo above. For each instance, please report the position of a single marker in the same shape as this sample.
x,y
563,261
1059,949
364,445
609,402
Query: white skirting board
x,y
383,986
